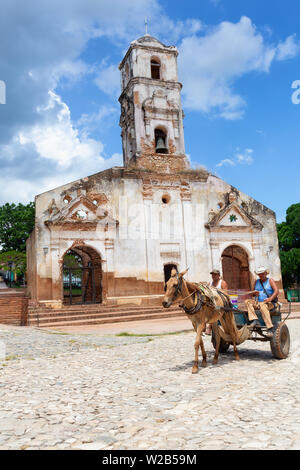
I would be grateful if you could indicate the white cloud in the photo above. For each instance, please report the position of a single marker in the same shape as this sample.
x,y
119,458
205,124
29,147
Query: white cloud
x,y
239,158
59,153
59,140
288,48
226,162
210,65
90,121
108,80
245,157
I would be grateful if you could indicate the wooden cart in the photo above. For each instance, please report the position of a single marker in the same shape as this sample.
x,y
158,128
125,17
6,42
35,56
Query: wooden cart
x,y
279,342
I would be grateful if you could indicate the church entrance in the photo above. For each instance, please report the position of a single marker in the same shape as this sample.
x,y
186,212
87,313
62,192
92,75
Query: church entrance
x,y
235,266
167,271
82,276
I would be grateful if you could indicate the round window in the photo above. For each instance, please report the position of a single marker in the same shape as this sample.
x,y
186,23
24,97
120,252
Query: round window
x,y
166,198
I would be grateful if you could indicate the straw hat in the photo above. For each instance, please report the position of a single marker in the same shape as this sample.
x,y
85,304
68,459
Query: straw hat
x,y
261,270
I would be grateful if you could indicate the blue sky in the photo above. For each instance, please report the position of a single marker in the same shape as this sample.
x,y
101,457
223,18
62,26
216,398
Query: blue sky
x,y
237,62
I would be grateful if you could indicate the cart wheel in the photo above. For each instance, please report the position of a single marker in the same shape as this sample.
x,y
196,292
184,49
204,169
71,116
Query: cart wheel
x,y
280,342
223,344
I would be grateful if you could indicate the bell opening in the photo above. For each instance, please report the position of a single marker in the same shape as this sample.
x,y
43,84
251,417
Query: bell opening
x,y
160,141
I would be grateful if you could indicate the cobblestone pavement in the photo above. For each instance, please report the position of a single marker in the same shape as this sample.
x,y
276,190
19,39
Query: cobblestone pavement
x,y
95,391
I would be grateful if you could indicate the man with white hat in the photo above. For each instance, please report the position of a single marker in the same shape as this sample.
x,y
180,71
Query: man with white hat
x,y
266,290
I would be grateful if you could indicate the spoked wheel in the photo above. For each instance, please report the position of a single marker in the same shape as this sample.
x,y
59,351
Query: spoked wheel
x,y
280,342
223,344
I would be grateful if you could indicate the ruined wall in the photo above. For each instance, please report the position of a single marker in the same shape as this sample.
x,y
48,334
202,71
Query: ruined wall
x,y
31,266
151,219
13,308
261,245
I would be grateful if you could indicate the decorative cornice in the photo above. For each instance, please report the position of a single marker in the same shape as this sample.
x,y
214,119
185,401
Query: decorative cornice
x,y
213,224
149,81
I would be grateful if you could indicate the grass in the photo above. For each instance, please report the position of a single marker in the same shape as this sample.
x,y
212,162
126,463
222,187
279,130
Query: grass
x,y
12,357
48,332
153,334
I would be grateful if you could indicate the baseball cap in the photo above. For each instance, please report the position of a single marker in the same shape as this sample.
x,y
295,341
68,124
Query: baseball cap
x,y
215,271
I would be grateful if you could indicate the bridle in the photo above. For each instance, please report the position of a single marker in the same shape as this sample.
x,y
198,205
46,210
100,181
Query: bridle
x,y
178,287
199,298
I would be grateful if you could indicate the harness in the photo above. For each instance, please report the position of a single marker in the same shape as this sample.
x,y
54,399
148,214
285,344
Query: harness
x,y
227,304
200,299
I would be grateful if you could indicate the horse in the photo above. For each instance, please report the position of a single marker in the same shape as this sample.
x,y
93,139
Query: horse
x,y
204,304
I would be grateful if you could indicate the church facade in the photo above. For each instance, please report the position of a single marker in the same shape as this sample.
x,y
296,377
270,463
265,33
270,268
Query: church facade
x,y
114,237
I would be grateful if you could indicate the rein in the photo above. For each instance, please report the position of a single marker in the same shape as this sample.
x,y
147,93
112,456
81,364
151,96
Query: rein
x,y
189,295
199,299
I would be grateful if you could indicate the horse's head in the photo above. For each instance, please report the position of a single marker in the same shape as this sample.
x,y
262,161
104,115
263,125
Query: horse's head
x,y
173,288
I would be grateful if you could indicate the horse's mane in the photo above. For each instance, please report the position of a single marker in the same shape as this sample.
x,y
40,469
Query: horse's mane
x,y
209,291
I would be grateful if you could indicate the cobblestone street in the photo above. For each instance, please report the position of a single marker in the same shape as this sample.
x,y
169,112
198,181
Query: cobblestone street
x,y
100,391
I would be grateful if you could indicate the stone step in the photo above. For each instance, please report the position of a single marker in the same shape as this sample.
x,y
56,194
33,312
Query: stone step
x,y
108,312
98,321
88,316
94,307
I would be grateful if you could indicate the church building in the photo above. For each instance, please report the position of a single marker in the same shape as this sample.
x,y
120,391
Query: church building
x,y
113,237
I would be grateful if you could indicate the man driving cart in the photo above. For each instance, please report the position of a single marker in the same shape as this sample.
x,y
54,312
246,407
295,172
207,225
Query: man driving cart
x,y
266,291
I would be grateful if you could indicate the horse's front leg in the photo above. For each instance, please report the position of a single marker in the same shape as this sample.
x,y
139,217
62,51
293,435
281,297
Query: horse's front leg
x,y
218,340
199,342
236,354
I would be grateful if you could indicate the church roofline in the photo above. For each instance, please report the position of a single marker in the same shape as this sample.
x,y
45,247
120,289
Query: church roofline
x,y
148,38
138,44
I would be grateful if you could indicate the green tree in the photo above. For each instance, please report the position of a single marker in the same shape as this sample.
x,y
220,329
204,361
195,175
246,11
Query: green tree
x,y
289,245
16,224
13,259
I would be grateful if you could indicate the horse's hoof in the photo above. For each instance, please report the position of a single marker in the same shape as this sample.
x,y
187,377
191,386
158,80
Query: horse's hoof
x,y
237,358
215,361
203,364
195,370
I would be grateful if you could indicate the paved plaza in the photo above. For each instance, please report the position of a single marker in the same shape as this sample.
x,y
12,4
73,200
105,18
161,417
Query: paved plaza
x,y
99,390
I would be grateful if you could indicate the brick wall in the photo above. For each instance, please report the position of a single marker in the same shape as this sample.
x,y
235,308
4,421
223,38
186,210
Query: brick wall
x,y
13,308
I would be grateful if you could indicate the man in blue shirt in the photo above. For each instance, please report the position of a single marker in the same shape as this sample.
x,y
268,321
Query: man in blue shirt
x,y
266,291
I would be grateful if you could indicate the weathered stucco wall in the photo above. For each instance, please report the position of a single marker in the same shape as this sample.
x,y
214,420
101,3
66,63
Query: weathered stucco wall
x,y
151,220
31,266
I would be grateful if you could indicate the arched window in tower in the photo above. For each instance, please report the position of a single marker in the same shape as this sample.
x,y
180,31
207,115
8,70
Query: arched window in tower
x,y
155,69
160,141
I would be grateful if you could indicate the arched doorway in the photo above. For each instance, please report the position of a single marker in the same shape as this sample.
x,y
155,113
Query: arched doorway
x,y
167,271
82,276
235,266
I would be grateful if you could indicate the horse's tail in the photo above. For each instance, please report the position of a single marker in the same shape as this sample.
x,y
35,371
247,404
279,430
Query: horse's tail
x,y
231,333
229,326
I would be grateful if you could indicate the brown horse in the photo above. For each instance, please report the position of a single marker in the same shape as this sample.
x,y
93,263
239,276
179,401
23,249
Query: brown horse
x,y
203,305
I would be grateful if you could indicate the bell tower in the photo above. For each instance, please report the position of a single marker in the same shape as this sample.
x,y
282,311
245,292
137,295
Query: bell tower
x,y
151,113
